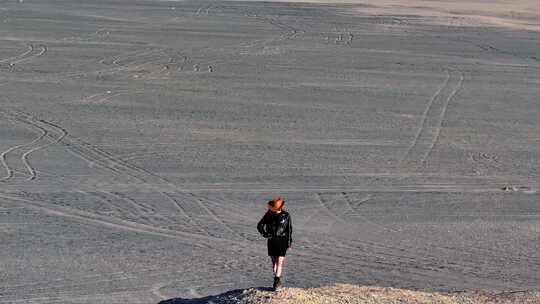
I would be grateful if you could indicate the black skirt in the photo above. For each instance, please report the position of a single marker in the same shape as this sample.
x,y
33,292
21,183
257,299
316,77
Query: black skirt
x,y
277,246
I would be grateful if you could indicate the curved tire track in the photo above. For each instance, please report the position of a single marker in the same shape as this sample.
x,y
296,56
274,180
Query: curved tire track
x,y
215,217
182,211
443,114
488,253
3,155
22,55
31,54
433,116
364,218
120,224
25,156
425,115
111,222
398,254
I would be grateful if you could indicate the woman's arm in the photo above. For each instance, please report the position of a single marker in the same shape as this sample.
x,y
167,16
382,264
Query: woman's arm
x,y
289,231
261,226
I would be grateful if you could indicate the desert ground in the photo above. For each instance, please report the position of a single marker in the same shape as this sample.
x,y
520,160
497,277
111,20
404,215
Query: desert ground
x,y
140,141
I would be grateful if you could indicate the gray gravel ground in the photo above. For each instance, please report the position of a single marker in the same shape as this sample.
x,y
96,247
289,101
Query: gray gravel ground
x,y
140,140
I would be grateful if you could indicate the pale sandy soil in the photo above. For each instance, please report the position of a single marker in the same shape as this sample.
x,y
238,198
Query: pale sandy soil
x,y
518,14
353,294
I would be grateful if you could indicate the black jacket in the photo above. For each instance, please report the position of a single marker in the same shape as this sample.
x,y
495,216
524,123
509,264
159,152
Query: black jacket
x,y
276,225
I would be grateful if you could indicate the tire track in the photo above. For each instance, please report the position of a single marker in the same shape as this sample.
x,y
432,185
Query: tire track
x,y
215,217
380,253
39,172
287,31
60,132
3,155
31,55
337,216
349,205
144,211
134,55
341,219
101,33
364,218
73,290
491,48
425,116
466,187
104,206
203,209
103,97
142,207
165,58
420,260
189,218
231,229
205,8
429,131
139,155
489,253
25,156
22,55
443,114
94,155
230,206
133,62
112,222
195,239
97,279
328,211
130,226
191,238
105,197
308,218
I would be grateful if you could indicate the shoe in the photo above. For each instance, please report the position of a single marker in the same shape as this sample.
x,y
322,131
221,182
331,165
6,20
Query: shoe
x,y
277,283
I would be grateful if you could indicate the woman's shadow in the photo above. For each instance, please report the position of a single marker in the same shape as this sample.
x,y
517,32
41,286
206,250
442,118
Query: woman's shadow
x,y
221,298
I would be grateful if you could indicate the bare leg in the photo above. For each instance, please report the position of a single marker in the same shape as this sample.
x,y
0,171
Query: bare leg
x,y
279,263
274,264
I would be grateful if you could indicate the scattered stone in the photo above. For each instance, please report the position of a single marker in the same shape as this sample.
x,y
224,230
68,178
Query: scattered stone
x,y
353,294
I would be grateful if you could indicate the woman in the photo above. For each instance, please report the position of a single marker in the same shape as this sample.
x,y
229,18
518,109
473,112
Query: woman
x,y
276,226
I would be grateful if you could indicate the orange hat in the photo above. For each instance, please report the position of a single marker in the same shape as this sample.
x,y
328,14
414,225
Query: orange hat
x,y
276,204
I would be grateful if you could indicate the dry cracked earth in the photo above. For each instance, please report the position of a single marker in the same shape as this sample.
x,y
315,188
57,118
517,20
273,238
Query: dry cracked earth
x,y
140,140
